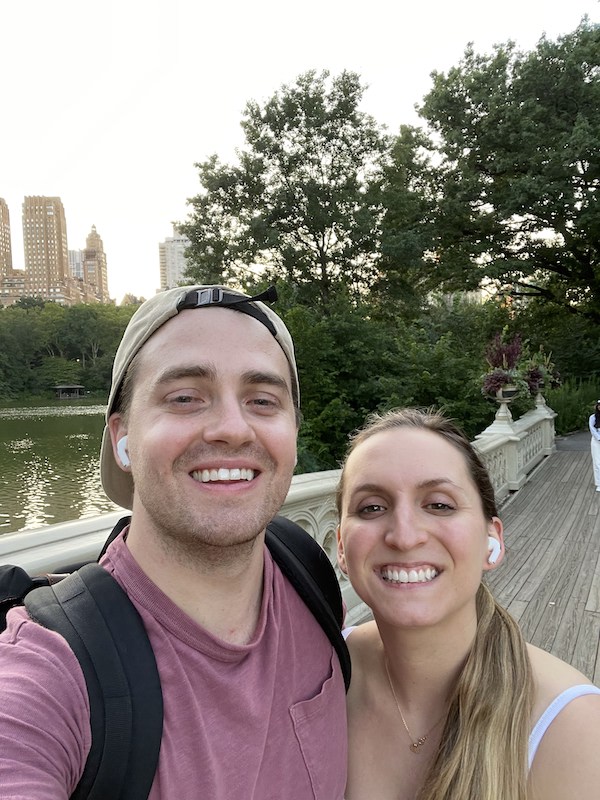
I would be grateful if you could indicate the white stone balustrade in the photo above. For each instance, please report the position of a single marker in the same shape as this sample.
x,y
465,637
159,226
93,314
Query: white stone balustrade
x,y
510,452
511,449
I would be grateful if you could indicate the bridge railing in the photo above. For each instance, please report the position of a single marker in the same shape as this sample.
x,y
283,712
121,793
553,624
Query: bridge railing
x,y
510,450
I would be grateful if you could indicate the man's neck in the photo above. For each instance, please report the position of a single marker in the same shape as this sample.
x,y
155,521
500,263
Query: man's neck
x,y
221,592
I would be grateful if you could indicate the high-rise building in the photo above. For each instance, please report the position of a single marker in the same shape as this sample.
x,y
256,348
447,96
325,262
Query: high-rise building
x,y
13,282
45,248
173,262
94,267
5,245
76,263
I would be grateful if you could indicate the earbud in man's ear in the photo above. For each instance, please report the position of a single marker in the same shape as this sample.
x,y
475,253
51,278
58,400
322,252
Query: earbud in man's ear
x,y
494,548
122,451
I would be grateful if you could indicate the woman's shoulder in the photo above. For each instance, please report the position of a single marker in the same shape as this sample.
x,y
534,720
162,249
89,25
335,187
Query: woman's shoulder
x,y
552,678
566,720
363,643
361,635
552,675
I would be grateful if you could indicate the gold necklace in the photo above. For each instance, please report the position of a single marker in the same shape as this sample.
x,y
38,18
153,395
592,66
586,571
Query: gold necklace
x,y
415,743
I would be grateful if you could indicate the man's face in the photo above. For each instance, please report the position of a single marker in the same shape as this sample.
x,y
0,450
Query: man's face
x,y
211,429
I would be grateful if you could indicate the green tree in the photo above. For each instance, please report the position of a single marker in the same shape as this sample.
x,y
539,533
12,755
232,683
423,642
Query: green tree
x,y
30,302
55,370
302,203
409,199
21,345
52,321
518,144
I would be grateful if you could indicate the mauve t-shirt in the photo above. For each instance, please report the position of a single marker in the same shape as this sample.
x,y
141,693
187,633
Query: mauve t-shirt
x,y
241,722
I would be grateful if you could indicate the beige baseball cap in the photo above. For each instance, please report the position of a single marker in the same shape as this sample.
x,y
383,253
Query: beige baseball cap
x,y
149,317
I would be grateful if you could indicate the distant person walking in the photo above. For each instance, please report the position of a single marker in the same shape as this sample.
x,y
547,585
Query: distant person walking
x,y
595,431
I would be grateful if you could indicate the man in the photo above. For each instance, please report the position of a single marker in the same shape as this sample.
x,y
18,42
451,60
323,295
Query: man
x,y
200,443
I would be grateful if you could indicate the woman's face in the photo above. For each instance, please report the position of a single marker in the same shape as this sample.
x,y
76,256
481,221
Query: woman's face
x,y
413,536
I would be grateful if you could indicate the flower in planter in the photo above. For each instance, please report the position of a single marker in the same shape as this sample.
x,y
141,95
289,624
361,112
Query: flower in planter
x,y
497,379
539,372
501,354
503,357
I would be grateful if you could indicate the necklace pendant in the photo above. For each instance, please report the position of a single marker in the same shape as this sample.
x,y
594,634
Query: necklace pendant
x,y
419,743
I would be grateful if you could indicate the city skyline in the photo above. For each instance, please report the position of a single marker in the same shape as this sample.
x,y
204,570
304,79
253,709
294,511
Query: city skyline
x,y
143,91
52,271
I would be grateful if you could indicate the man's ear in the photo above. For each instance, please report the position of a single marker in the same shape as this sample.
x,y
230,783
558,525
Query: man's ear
x,y
495,551
118,438
341,556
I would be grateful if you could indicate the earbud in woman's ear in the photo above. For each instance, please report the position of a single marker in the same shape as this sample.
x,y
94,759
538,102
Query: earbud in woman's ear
x,y
494,548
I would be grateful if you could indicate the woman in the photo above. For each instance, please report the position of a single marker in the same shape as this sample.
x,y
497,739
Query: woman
x,y
594,424
445,693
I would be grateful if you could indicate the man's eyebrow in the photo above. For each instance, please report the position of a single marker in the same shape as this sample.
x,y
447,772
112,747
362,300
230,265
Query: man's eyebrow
x,y
192,371
209,372
254,377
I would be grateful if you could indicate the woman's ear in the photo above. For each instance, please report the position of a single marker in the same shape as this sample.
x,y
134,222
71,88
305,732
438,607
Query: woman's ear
x,y
341,557
495,551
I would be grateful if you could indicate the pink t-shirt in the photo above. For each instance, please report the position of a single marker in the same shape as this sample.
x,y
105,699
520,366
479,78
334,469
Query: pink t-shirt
x,y
241,722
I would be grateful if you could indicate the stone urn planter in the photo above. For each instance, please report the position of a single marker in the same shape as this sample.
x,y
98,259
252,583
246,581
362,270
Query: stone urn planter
x,y
507,393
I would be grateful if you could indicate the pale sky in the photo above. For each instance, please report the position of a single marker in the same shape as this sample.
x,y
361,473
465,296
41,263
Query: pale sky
x,y
109,104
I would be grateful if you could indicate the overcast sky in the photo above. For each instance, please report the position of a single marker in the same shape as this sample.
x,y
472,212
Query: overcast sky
x,y
109,104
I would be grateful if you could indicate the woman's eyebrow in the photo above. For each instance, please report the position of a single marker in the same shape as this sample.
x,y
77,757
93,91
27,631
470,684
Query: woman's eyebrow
x,y
366,487
432,482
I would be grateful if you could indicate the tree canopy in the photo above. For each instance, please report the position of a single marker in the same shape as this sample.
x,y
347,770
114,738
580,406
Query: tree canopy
x,y
364,233
44,344
516,140
302,203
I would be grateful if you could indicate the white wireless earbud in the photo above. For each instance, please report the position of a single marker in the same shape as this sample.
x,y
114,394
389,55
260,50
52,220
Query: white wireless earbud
x,y
494,548
122,451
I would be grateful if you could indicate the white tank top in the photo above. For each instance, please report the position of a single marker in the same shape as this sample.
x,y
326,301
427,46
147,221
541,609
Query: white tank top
x,y
550,714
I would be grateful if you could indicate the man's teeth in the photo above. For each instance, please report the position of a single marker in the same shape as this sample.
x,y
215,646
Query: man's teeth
x,y
408,576
222,474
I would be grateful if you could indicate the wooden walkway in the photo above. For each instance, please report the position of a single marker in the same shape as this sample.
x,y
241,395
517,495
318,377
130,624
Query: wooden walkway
x,y
550,577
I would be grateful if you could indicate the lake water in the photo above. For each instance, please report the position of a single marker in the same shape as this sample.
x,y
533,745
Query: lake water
x,y
50,465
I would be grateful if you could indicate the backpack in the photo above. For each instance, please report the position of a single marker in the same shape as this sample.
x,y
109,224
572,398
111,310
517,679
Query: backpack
x,y
93,613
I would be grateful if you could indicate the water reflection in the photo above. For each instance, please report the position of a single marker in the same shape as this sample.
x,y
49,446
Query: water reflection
x,y
49,465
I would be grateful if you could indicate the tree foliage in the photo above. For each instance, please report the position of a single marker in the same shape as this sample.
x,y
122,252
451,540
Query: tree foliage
x,y
409,200
360,232
303,201
517,146
43,344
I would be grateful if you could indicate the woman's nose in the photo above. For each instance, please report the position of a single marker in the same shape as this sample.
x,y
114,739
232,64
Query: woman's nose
x,y
407,528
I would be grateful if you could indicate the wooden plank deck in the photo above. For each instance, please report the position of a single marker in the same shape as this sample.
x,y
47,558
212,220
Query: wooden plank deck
x,y
550,577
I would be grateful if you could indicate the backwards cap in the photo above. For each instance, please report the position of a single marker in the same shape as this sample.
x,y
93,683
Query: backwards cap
x,y
149,317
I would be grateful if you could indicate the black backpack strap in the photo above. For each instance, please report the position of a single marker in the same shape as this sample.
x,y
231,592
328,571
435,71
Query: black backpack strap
x,y
15,584
306,565
121,524
91,611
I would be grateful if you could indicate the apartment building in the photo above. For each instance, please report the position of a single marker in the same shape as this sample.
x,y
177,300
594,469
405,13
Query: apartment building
x,y
45,250
172,260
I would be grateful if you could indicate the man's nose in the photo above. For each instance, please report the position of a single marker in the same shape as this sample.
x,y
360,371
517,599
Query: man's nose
x,y
228,421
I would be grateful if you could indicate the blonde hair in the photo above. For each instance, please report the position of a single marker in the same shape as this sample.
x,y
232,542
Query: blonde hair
x,y
483,749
